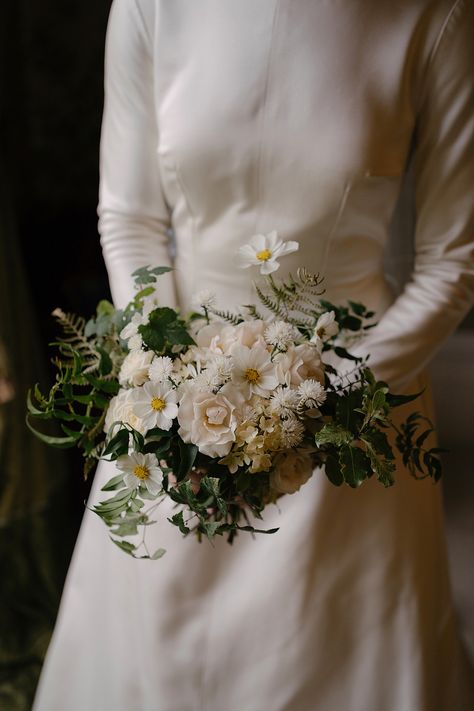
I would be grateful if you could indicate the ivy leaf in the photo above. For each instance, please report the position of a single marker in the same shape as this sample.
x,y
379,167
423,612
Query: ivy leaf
x,y
178,520
333,471
354,465
147,275
333,434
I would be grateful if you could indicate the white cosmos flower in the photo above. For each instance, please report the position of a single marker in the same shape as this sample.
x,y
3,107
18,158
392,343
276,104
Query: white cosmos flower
x,y
141,470
253,371
160,369
155,404
264,250
326,327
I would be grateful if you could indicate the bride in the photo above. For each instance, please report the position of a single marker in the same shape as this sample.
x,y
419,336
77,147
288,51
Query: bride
x,y
224,119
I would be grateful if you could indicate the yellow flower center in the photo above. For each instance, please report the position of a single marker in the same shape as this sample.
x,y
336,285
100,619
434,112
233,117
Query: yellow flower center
x,y
252,375
158,404
264,255
141,472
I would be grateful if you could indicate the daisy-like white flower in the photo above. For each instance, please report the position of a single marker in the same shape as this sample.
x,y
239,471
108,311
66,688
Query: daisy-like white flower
x,y
160,369
155,404
291,433
253,371
264,251
141,470
326,327
204,299
311,393
280,335
284,401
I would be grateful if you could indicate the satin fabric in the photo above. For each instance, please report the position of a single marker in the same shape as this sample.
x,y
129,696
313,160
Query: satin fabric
x,y
223,119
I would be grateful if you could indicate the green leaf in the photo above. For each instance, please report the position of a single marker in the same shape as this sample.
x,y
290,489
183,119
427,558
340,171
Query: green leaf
x,y
159,553
126,546
333,434
397,400
59,442
188,453
118,445
113,483
355,466
251,529
352,323
343,353
147,275
178,520
333,471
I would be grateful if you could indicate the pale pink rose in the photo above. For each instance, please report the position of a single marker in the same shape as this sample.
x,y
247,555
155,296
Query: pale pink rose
x,y
209,420
299,363
292,470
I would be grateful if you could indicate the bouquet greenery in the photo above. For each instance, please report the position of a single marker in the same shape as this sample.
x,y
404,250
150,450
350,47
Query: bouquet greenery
x,y
223,412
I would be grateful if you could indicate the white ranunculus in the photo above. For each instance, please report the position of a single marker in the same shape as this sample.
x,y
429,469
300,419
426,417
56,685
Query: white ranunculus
x,y
292,470
299,363
134,370
120,410
209,420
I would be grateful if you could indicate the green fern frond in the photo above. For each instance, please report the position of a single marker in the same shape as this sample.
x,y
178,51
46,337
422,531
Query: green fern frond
x,y
226,316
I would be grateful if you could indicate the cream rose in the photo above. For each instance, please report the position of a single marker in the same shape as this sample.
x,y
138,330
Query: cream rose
x,y
209,420
292,470
134,370
299,363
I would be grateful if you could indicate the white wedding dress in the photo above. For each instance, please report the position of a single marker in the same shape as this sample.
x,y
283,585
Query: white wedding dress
x,y
224,118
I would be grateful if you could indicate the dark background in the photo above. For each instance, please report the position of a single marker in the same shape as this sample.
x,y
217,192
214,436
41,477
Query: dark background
x,y
51,97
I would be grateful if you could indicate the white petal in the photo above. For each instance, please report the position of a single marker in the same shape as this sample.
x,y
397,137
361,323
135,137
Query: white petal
x,y
270,266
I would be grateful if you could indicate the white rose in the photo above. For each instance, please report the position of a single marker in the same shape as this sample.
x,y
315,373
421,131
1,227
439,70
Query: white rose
x,y
299,363
120,410
209,420
134,370
292,470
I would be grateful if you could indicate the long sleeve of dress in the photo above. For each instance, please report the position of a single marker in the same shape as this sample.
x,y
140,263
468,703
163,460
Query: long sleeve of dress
x,y
133,216
441,289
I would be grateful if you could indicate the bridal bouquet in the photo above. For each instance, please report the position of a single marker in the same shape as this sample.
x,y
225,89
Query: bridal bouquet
x,y
223,412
